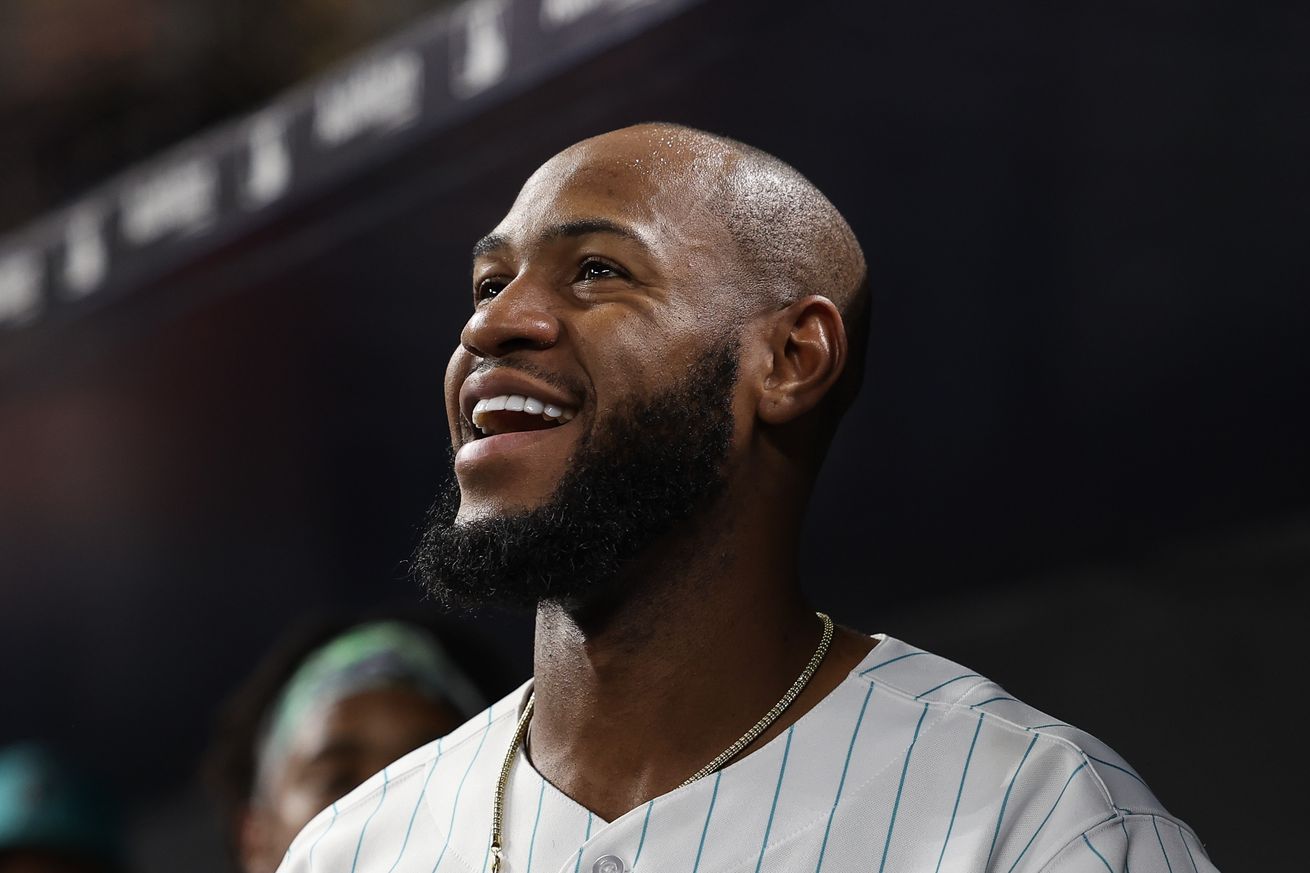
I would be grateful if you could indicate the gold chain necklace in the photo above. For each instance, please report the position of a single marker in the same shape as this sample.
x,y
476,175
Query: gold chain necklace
x,y
498,809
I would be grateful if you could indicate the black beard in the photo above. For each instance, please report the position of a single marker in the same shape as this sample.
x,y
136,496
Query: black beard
x,y
635,476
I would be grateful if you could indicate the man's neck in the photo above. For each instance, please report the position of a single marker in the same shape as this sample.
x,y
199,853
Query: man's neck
x,y
631,703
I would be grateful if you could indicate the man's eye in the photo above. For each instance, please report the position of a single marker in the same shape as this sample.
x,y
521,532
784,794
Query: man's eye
x,y
487,289
593,269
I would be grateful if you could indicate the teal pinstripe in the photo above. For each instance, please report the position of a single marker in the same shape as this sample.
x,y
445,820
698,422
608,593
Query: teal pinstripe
x,y
992,700
944,684
364,829
891,661
314,845
532,844
422,792
644,824
705,830
1006,799
1097,854
577,865
454,807
823,848
1049,813
1162,849
1120,769
764,844
960,793
900,789
1183,837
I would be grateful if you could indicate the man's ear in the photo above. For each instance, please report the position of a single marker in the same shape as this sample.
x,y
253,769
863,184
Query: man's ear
x,y
809,353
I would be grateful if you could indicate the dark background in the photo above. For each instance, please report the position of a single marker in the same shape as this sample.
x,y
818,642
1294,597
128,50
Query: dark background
x,y
1078,466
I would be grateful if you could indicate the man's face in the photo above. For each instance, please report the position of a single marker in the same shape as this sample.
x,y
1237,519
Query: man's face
x,y
603,286
594,399
330,754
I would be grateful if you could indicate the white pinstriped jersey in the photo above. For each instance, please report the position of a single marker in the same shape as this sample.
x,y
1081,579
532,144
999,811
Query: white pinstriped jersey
x,y
912,765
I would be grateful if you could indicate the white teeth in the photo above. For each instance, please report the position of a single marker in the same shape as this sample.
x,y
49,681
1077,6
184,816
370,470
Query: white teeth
x,y
517,403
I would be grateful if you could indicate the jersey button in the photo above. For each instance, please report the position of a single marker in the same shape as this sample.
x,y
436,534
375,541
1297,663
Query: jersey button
x,y
608,864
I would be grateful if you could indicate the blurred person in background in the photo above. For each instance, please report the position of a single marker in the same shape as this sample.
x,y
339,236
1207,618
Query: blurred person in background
x,y
325,710
53,817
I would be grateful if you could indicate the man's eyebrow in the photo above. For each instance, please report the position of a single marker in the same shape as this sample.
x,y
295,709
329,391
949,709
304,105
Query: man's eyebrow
x,y
585,226
489,244
578,227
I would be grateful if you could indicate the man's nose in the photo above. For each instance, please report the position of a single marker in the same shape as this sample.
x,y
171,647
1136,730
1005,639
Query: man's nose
x,y
519,318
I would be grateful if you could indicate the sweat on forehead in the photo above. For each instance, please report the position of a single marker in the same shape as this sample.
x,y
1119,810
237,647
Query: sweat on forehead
x,y
658,151
633,173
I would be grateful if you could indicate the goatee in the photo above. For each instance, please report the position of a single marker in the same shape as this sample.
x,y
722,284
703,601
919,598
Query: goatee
x,y
634,476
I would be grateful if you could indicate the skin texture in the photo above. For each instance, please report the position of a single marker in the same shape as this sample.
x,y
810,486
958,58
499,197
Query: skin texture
x,y
351,740
621,262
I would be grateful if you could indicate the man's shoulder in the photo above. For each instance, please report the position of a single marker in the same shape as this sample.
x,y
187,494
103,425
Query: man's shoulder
x,y
400,789
955,696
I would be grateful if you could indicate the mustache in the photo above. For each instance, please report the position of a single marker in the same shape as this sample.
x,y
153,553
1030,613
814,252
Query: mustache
x,y
572,387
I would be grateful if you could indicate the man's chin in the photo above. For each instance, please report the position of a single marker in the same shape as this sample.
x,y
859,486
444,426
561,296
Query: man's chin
x,y
485,508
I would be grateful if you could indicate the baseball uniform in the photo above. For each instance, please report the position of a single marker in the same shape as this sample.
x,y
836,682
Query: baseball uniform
x,y
913,764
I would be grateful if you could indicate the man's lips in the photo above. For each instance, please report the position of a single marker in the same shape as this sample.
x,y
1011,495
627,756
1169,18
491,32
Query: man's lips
x,y
489,447
503,400
504,410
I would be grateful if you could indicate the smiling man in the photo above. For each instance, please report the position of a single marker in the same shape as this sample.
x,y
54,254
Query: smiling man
x,y
666,329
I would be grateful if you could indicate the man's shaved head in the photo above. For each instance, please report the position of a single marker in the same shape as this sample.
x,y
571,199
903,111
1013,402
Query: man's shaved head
x,y
798,244
792,240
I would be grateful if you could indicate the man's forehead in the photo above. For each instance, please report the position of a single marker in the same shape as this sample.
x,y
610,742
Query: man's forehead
x,y
633,180
653,155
